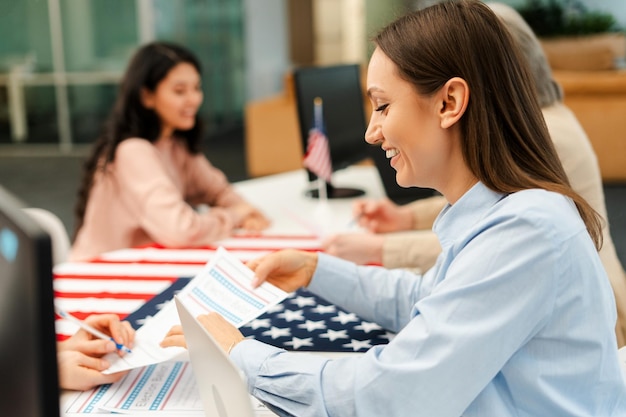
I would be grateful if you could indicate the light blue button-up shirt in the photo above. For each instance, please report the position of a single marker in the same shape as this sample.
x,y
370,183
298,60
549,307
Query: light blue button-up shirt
x,y
516,318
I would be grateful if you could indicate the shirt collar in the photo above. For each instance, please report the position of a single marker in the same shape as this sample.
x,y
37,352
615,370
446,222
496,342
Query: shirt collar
x,y
469,209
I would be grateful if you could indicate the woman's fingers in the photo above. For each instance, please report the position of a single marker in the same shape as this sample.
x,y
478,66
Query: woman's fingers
x,y
222,331
110,324
174,337
174,340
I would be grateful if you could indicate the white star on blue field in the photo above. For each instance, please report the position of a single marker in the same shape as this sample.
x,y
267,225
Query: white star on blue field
x,y
302,322
305,322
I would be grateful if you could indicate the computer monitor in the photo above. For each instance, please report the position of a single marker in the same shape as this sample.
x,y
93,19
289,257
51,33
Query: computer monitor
x,y
340,88
395,192
28,360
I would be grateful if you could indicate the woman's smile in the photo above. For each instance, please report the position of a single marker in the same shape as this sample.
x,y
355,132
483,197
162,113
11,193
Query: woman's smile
x,y
393,155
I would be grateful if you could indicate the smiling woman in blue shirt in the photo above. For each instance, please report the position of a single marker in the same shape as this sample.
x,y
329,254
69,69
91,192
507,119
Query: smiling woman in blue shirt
x,y
517,316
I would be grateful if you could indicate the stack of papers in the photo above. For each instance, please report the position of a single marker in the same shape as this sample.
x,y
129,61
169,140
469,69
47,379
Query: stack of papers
x,y
223,286
164,389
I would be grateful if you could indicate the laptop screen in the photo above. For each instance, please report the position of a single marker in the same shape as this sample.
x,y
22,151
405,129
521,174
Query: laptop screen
x,y
28,363
221,386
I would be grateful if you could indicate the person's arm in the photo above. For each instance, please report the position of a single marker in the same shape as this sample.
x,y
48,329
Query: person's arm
x,y
207,184
382,216
152,197
360,248
374,293
462,332
417,249
424,211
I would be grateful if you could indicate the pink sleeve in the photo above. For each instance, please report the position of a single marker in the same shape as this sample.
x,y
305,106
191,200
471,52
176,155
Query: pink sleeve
x,y
151,195
207,184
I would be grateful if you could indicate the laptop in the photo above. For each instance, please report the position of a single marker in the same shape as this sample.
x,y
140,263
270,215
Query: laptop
x,y
222,389
396,193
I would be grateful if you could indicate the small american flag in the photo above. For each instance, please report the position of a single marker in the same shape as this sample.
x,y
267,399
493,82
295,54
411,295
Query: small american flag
x,y
317,158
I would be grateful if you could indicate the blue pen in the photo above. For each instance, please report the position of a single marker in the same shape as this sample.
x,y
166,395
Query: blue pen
x,y
354,221
90,329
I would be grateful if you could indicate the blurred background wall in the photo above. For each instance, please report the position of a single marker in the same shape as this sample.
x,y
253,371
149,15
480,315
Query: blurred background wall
x,y
60,60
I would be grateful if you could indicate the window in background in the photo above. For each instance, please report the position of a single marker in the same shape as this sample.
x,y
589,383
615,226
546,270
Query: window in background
x,y
61,60
24,50
213,30
99,37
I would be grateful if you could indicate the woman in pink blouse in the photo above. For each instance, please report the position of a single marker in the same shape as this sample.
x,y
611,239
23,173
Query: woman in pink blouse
x,y
147,173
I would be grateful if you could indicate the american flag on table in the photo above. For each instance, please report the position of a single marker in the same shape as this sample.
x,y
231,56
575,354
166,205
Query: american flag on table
x,y
136,283
317,157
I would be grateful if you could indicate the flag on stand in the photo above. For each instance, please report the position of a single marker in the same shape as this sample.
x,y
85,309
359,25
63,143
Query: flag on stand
x,y
317,157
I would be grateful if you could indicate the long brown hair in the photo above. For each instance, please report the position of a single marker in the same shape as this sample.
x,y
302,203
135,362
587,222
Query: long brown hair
x,y
506,142
131,119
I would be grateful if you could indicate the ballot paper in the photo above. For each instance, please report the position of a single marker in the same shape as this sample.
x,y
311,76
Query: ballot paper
x,y
223,286
163,389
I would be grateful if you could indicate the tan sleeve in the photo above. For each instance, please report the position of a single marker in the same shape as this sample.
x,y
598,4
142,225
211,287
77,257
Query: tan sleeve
x,y
151,195
425,211
617,277
414,249
581,166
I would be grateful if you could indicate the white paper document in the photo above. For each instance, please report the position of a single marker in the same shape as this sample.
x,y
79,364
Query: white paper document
x,y
223,286
164,389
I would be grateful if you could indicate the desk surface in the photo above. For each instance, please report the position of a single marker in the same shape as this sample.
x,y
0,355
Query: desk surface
x,y
282,198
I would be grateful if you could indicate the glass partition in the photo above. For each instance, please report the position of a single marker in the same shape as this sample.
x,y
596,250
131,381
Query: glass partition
x,y
61,60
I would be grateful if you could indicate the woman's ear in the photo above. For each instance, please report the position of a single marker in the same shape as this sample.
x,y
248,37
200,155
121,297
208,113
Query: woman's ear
x,y
147,98
454,97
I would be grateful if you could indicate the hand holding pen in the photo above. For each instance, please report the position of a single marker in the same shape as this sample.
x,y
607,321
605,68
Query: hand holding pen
x,y
381,216
121,334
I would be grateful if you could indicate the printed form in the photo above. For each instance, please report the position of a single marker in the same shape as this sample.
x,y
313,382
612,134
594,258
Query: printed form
x,y
163,389
223,286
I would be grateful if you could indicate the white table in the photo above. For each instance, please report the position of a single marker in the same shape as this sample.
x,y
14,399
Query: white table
x,y
282,198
